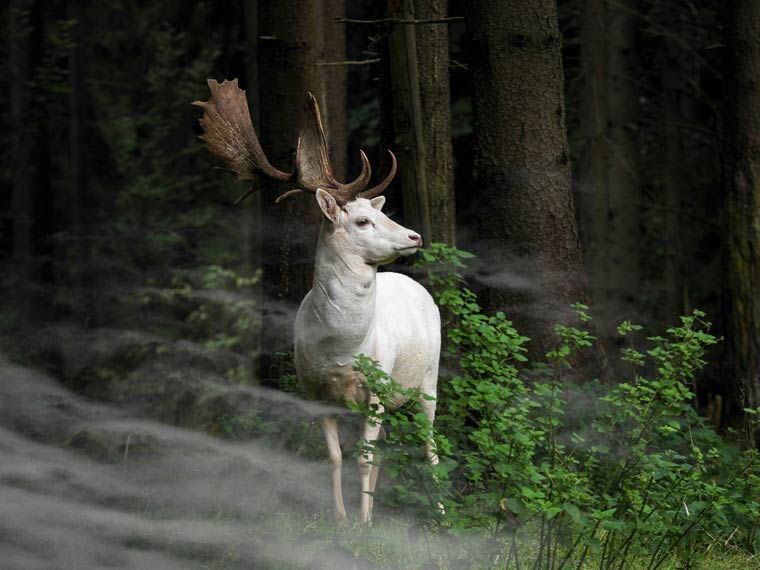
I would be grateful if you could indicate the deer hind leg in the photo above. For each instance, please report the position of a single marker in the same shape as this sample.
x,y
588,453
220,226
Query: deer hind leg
x,y
368,471
330,429
428,406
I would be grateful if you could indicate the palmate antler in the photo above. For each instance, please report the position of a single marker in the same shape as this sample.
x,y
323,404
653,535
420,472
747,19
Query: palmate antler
x,y
229,135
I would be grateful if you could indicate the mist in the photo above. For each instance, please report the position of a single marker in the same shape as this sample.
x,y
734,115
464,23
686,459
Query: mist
x,y
88,485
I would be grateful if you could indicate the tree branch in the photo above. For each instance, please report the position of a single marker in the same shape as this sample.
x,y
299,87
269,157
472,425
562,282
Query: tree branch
x,y
401,21
349,62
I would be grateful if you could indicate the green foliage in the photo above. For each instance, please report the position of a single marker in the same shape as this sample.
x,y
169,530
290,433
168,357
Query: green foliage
x,y
214,304
416,484
166,203
559,475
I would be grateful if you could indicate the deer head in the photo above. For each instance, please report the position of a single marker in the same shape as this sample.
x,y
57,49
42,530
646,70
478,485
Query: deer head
x,y
229,135
363,229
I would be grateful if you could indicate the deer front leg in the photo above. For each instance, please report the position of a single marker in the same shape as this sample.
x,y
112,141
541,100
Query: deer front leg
x,y
375,469
368,471
330,429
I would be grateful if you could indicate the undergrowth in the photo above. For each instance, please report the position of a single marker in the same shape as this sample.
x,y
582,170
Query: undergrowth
x,y
630,476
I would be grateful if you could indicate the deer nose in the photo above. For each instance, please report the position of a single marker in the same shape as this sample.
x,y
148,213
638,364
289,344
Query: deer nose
x,y
416,239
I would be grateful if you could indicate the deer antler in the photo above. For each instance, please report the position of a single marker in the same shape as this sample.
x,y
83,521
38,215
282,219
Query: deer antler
x,y
229,135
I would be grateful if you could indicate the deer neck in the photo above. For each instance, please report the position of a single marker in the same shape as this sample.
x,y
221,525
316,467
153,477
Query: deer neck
x,y
344,291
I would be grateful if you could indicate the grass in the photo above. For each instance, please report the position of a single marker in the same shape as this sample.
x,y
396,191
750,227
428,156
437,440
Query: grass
x,y
297,541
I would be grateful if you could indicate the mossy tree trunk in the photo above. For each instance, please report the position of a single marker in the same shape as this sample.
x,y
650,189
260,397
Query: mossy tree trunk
x,y
522,170
409,141
433,52
741,221
333,92
418,72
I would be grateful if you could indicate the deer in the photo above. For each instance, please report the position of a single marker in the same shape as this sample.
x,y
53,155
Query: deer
x,y
352,308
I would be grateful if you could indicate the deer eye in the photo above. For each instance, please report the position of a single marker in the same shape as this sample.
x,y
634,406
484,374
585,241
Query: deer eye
x,y
361,222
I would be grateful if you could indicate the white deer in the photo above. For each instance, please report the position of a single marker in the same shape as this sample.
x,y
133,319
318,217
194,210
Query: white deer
x,y
351,309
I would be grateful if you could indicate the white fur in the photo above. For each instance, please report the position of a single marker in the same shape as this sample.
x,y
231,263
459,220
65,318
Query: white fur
x,y
352,309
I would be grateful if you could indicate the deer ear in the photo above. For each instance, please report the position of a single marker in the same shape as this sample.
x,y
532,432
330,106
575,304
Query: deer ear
x,y
327,204
377,203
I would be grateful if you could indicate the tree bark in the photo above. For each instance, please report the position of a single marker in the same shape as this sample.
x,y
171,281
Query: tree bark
x,y
594,163
78,190
624,191
22,141
406,101
251,219
522,169
334,87
433,52
292,39
673,72
741,221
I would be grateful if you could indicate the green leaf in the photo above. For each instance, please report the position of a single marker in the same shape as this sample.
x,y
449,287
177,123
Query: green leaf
x,y
573,512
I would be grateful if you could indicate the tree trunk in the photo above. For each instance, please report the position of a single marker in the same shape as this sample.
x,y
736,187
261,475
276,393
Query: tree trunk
x,y
522,169
624,191
334,88
291,43
741,254
593,190
433,51
78,251
673,71
251,218
22,141
409,140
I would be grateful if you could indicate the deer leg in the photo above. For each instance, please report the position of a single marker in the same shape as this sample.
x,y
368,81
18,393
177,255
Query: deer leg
x,y
375,472
428,406
366,469
330,429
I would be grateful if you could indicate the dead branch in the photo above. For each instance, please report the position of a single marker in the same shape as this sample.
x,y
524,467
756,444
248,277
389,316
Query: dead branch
x,y
349,62
402,21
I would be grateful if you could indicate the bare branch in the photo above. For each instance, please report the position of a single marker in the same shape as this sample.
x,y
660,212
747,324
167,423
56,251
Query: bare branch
x,y
401,21
349,62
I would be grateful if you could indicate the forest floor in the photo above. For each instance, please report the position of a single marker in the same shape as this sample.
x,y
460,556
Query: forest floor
x,y
395,543
95,485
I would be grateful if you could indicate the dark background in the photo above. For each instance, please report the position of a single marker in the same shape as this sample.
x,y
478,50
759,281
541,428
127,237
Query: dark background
x,y
597,151
121,247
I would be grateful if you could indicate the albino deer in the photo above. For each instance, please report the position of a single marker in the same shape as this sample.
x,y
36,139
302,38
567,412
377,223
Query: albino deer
x,y
351,309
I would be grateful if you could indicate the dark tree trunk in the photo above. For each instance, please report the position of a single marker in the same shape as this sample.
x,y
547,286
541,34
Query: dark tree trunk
x,y
674,71
624,191
593,167
251,220
78,188
409,141
22,149
741,254
333,94
291,43
522,169
433,52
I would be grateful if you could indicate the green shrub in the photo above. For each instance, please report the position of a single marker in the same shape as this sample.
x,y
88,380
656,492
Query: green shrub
x,y
638,476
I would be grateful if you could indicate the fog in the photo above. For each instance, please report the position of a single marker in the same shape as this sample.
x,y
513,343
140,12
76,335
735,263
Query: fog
x,y
86,485
118,472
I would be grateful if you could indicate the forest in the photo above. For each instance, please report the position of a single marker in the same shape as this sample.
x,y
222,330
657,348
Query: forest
x,y
585,179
